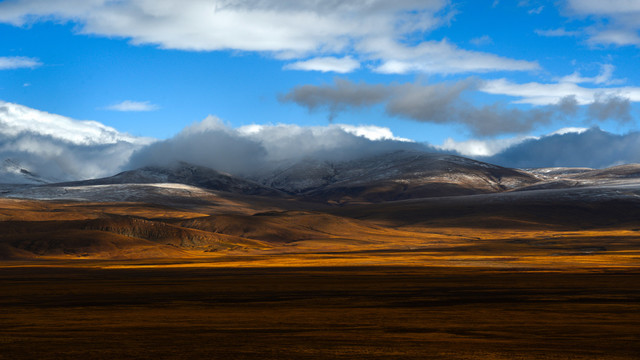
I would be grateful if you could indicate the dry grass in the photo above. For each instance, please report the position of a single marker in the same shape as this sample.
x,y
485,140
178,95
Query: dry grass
x,y
317,313
246,280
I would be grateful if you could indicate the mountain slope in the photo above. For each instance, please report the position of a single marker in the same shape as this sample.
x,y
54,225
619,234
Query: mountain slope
x,y
186,174
395,176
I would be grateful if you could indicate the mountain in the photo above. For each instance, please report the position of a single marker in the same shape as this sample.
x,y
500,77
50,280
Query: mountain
x,y
388,177
396,176
185,174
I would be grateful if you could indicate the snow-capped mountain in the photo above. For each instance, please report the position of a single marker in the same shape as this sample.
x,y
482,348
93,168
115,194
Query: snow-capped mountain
x,y
396,175
186,174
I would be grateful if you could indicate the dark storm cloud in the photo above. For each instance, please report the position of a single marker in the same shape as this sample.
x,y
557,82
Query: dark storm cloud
x,y
445,103
613,107
343,95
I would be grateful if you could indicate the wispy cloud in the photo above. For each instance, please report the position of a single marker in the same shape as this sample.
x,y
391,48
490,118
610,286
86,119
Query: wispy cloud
x,y
616,22
536,11
129,105
482,40
560,32
18,62
536,93
326,64
604,77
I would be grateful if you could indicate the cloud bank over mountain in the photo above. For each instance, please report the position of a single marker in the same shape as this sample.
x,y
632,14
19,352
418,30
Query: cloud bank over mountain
x,y
58,148
257,148
592,148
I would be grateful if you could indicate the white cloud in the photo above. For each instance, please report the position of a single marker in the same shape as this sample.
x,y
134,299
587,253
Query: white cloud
x,y
619,37
536,11
129,105
437,57
371,30
604,77
17,119
482,40
610,7
18,62
569,130
616,20
326,64
476,147
372,132
535,93
560,32
61,148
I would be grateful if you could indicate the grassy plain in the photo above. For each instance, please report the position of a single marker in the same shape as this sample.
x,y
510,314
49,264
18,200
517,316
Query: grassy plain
x,y
318,313
231,281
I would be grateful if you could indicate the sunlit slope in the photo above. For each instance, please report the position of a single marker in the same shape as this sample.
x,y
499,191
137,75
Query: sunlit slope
x,y
33,229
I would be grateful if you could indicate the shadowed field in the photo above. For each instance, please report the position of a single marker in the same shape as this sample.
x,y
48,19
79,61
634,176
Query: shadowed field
x,y
240,278
318,313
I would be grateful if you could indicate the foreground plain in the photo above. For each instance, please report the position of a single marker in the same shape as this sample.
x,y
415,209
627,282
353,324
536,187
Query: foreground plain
x,y
318,313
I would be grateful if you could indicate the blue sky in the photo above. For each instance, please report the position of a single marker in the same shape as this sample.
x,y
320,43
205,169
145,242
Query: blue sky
x,y
432,71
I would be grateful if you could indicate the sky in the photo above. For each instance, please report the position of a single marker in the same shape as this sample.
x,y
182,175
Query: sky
x,y
473,77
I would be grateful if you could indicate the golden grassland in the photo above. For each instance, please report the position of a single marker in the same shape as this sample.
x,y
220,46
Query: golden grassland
x,y
35,231
233,280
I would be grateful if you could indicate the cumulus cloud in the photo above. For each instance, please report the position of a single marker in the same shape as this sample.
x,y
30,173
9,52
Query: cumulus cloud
x,y
592,148
18,62
17,119
445,103
256,148
59,148
129,105
373,30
